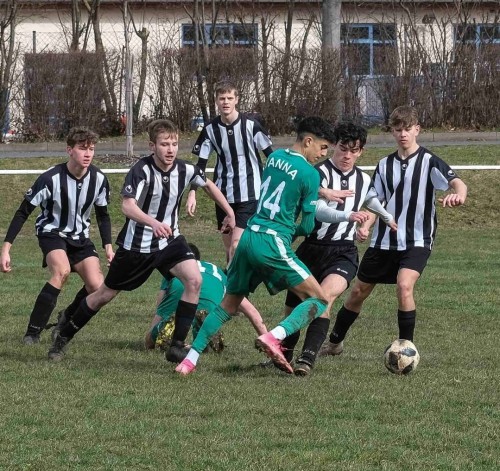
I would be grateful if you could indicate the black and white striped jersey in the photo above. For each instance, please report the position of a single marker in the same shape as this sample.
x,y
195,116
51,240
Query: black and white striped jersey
x,y
66,202
408,189
238,168
335,179
159,195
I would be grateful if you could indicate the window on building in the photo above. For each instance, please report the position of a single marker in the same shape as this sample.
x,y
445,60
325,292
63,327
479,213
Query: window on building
x,y
479,43
226,34
232,49
369,49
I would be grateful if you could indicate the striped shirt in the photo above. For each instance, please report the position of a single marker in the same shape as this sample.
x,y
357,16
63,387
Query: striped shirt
x,y
335,179
159,195
66,201
238,167
408,189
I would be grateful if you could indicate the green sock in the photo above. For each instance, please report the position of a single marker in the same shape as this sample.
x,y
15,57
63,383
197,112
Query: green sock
x,y
303,314
211,325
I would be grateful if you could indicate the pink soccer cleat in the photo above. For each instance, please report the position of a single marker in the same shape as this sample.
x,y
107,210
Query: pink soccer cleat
x,y
271,346
185,367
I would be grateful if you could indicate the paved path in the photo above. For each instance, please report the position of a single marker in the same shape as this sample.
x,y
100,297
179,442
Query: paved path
x,y
56,149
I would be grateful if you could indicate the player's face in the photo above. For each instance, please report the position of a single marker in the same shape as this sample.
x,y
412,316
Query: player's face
x,y
406,137
315,149
226,103
345,155
81,154
165,150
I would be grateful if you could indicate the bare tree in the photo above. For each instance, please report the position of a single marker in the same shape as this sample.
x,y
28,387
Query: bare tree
x,y
8,56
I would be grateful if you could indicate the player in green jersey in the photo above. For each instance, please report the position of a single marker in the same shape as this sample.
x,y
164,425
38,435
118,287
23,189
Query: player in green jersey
x,y
213,287
264,254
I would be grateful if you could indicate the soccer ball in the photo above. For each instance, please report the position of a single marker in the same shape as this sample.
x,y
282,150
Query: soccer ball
x,y
401,357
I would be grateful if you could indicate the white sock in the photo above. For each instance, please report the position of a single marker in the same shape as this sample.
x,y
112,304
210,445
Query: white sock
x,y
193,356
279,332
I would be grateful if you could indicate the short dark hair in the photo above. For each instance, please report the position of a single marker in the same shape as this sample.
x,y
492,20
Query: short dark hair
x,y
159,126
316,126
195,250
81,134
347,131
225,86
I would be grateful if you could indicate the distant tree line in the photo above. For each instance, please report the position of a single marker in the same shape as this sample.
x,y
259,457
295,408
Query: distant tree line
x,y
280,81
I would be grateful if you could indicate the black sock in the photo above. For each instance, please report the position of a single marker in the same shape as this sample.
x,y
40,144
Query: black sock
x,y
345,318
44,305
82,315
184,315
70,310
289,344
406,324
315,336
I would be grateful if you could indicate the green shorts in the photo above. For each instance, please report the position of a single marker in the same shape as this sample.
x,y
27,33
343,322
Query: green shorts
x,y
264,257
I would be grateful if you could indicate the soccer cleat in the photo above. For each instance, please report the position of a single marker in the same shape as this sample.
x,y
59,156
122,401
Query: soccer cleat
x,y
271,346
61,321
185,367
164,338
302,367
177,352
56,352
31,339
330,348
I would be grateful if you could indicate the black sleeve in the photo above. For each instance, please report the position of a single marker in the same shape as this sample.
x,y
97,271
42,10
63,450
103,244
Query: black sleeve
x,y
18,220
104,224
268,151
202,163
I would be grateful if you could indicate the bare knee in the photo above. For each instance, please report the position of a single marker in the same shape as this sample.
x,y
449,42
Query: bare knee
x,y
192,284
60,276
404,289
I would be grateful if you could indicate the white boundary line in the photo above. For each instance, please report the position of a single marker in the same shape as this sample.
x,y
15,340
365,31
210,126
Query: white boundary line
x,y
210,170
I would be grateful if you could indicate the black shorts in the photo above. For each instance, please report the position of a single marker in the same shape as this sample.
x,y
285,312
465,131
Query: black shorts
x,y
382,266
129,270
242,212
324,260
76,250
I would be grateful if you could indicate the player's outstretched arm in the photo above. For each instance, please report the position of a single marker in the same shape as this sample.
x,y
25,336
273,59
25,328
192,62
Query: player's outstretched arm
x,y
375,206
338,196
458,198
253,315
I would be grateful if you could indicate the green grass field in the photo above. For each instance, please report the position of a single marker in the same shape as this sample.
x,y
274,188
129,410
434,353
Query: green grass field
x,y
111,405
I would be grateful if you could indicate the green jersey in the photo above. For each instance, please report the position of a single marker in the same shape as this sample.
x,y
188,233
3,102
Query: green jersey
x,y
212,291
290,185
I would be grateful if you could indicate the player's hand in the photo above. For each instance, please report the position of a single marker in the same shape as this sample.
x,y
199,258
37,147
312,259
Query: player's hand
x,y
5,263
110,254
452,200
362,234
359,216
393,225
161,230
191,203
337,196
228,224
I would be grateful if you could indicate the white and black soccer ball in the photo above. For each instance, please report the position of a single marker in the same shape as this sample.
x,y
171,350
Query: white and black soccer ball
x,y
401,357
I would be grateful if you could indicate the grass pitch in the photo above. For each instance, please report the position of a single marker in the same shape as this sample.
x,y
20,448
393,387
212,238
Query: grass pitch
x,y
112,405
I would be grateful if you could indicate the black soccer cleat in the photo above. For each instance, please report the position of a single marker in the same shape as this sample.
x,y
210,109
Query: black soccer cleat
x,y
177,352
302,367
31,339
56,352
